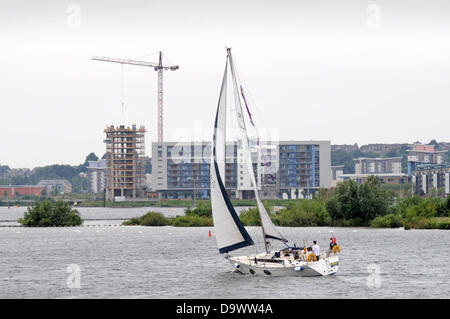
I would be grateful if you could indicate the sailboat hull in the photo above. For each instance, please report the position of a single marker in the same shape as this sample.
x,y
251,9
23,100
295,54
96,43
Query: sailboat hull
x,y
323,267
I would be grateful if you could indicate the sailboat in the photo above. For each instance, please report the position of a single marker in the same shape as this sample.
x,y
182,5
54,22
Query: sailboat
x,y
230,233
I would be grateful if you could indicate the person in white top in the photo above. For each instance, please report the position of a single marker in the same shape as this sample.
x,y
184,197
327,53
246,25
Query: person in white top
x,y
316,249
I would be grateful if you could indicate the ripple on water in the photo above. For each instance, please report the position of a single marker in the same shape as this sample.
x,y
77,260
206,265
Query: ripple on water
x,y
170,262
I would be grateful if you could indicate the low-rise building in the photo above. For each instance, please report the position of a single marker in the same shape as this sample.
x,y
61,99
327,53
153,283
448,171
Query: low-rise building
x,y
389,165
59,186
21,190
380,148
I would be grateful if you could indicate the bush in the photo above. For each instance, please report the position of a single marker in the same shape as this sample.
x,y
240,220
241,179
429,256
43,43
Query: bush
x,y
428,223
154,219
203,209
46,213
304,213
250,217
192,221
149,219
387,221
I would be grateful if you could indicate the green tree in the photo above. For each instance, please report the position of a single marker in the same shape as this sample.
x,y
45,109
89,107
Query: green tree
x,y
90,157
373,200
47,213
360,203
434,142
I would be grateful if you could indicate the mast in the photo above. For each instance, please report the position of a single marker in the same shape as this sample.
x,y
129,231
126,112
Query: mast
x,y
268,228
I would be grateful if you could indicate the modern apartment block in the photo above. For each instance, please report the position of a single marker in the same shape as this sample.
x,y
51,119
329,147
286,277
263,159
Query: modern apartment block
x,y
304,167
96,172
391,165
431,179
424,154
181,170
125,150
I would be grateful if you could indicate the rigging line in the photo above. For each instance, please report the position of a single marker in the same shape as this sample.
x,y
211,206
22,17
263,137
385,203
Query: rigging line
x,y
250,96
166,58
144,56
264,158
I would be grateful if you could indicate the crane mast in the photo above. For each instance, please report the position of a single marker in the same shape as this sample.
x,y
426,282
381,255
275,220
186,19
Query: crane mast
x,y
160,100
159,67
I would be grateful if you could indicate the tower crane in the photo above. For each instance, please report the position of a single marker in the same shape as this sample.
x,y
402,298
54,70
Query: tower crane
x,y
158,67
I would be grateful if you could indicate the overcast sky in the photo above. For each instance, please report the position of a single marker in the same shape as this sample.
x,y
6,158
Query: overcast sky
x,y
360,71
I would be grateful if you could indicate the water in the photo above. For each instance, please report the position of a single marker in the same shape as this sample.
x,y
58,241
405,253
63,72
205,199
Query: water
x,y
170,262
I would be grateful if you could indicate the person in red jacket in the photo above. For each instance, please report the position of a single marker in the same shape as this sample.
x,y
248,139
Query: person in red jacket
x,y
332,243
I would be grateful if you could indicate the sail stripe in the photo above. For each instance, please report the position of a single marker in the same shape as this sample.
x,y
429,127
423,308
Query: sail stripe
x,y
273,237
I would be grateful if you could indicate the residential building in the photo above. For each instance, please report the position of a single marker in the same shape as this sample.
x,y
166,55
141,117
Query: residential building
x,y
384,178
380,148
424,154
58,186
181,170
304,167
365,165
431,179
96,172
344,147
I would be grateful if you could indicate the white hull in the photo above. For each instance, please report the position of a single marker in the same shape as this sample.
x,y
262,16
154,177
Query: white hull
x,y
285,267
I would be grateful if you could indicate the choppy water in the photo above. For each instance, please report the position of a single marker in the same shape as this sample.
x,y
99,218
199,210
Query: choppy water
x,y
170,262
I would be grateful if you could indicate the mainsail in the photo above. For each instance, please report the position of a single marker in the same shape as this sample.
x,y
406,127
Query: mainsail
x,y
229,231
269,229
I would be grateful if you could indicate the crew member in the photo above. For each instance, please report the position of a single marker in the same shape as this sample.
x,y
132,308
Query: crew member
x,y
316,249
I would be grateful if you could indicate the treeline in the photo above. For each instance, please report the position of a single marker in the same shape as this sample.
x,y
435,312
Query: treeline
x,y
71,173
68,172
367,204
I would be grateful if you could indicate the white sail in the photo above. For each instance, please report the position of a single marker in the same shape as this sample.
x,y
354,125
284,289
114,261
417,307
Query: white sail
x,y
229,231
269,229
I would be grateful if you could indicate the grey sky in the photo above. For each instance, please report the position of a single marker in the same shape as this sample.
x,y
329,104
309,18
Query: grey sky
x,y
360,71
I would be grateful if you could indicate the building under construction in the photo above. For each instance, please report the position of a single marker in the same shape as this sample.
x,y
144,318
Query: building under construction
x,y
125,173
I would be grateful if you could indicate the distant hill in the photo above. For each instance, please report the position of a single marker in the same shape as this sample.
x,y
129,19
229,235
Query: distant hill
x,y
345,153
